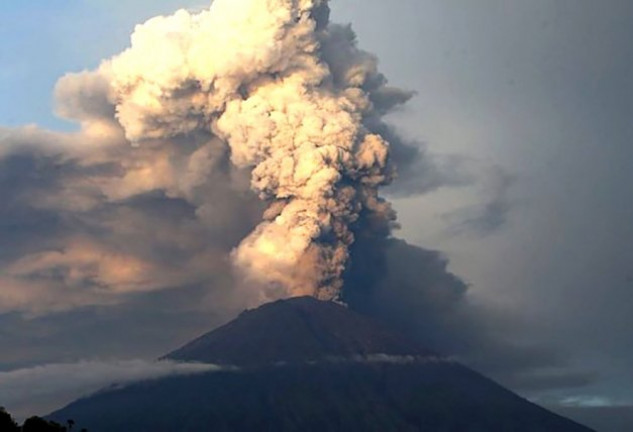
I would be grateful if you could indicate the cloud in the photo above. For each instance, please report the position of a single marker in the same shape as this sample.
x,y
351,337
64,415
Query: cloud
x,y
83,96
254,161
38,390
411,289
603,419
548,378
589,402
89,220
261,150
489,216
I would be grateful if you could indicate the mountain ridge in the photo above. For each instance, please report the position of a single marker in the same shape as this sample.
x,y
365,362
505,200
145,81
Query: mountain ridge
x,y
300,329
306,365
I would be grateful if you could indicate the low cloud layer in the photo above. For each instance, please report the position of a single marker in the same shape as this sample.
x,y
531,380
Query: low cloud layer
x,y
41,389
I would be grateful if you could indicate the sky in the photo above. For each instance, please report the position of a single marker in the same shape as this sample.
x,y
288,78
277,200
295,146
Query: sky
x,y
525,109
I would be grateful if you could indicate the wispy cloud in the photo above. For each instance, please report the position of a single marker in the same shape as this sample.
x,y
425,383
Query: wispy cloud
x,y
591,401
489,215
48,387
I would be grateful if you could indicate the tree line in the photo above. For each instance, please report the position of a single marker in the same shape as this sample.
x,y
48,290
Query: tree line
x,y
34,424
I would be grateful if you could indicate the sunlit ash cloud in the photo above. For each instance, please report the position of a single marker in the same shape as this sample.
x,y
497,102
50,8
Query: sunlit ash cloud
x,y
293,99
247,101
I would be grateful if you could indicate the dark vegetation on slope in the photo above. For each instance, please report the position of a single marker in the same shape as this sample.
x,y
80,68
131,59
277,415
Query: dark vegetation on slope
x,y
307,365
34,424
384,397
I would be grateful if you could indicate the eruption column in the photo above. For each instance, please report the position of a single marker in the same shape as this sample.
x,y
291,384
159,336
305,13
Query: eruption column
x,y
292,97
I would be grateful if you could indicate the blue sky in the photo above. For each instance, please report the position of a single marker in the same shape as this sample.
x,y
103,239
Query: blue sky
x,y
43,40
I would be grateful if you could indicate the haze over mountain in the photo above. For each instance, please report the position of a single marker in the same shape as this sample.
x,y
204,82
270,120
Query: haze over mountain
x,y
307,365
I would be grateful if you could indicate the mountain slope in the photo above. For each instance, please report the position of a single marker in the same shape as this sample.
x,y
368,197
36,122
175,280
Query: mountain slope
x,y
295,330
306,365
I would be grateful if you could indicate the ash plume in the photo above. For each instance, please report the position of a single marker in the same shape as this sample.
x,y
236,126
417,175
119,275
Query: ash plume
x,y
296,102
227,158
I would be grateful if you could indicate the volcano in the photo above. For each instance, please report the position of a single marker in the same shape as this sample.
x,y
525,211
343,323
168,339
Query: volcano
x,y
298,330
306,365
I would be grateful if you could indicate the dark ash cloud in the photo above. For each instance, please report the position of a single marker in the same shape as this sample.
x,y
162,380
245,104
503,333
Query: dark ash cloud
x,y
488,217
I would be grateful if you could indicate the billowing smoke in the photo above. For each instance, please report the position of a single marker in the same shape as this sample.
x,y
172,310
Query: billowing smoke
x,y
248,140
296,102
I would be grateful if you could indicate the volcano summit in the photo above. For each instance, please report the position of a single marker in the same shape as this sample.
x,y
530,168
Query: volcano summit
x,y
307,365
